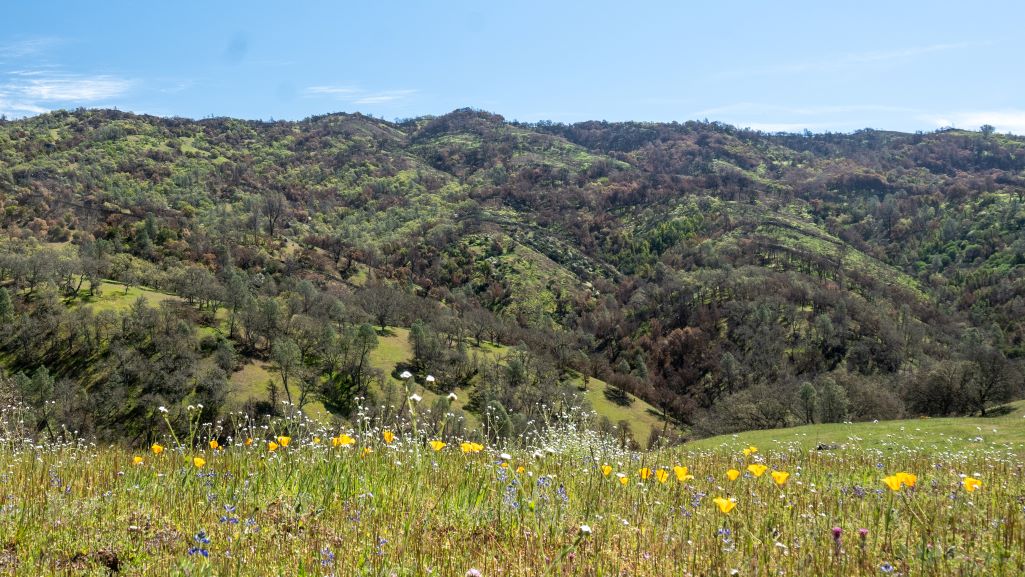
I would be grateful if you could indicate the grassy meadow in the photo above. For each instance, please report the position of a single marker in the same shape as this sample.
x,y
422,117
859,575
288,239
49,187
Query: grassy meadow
x,y
292,498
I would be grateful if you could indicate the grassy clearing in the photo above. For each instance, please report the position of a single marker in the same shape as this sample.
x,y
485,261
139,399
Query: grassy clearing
x,y
641,416
250,382
957,434
404,509
112,297
252,379
392,348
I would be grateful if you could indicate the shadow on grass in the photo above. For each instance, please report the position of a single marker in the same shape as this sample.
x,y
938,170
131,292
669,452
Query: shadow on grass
x,y
1001,411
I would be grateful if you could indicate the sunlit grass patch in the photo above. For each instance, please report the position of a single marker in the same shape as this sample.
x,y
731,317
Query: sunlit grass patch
x,y
291,497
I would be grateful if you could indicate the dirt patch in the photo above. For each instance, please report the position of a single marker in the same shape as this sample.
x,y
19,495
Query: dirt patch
x,y
9,558
80,561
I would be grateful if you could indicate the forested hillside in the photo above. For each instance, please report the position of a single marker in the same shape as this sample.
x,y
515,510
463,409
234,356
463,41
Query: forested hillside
x,y
730,279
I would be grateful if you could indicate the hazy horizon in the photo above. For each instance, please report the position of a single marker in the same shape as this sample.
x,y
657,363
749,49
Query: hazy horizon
x,y
792,67
507,119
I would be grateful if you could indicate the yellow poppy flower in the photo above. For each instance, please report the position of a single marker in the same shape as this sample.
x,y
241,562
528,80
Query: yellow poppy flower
x,y
644,473
623,480
157,448
272,446
137,460
725,505
780,477
606,470
214,444
388,436
682,474
342,441
757,469
520,470
471,447
893,482
750,451
249,441
732,474
198,462
971,484
662,475
907,478
437,445
367,451
283,441
316,440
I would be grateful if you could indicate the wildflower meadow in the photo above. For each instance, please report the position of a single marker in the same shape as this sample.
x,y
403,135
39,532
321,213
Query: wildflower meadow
x,y
292,497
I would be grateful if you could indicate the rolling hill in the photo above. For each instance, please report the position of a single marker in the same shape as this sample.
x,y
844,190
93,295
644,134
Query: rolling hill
x,y
728,279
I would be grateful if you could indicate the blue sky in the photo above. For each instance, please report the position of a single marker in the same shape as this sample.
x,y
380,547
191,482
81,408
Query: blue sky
x,y
772,65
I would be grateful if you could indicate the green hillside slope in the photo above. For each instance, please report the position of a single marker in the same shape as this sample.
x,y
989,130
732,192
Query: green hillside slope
x,y
726,278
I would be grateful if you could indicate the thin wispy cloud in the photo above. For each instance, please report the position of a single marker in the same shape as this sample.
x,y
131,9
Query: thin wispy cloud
x,y
25,92
383,97
74,88
899,54
15,108
332,91
356,95
27,47
778,118
765,109
1005,120
783,126
848,60
174,86
37,83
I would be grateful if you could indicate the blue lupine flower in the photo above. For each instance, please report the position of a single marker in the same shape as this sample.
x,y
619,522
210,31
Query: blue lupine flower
x,y
201,539
561,492
509,498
